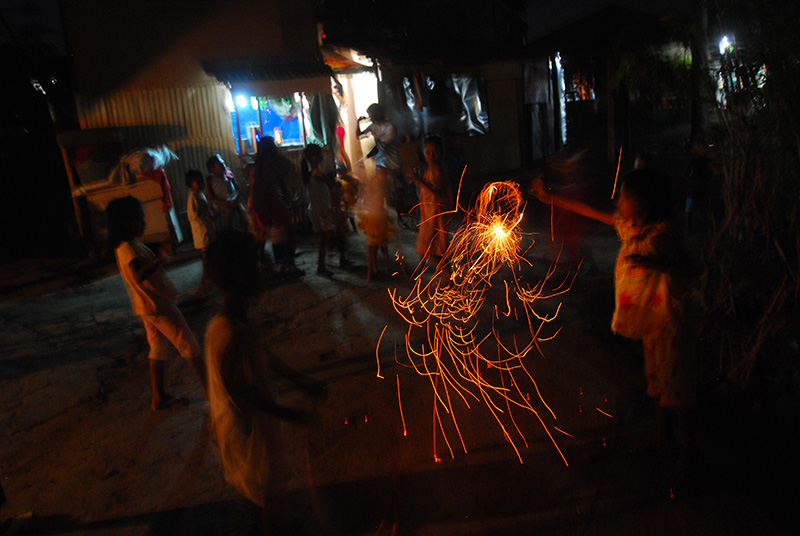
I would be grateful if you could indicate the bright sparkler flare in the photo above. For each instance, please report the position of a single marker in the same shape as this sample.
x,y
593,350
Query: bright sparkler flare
x,y
465,359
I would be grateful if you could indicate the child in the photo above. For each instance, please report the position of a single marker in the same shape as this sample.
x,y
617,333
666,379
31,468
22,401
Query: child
x,y
224,193
245,416
271,201
321,211
151,295
202,221
259,231
650,279
435,204
372,209
386,156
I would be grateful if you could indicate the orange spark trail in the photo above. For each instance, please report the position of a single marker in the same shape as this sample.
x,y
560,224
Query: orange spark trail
x,y
619,161
461,353
400,404
604,413
377,357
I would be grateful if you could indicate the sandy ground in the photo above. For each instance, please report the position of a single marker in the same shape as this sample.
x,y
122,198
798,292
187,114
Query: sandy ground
x,y
83,452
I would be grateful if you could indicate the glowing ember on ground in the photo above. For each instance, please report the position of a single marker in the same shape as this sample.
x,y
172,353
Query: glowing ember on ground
x,y
467,354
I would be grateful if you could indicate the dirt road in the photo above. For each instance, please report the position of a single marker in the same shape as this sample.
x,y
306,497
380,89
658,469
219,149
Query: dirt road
x,y
82,450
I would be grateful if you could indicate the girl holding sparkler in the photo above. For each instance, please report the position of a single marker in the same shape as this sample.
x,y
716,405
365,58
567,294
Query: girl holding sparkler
x,y
651,278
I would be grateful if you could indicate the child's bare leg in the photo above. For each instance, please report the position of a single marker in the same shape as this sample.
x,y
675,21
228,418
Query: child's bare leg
x,y
372,260
160,397
199,367
385,251
324,240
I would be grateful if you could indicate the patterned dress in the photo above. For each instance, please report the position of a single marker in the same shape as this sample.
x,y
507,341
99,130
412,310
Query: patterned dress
x,y
649,305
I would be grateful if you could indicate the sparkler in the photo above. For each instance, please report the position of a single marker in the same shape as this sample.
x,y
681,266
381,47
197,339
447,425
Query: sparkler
x,y
465,359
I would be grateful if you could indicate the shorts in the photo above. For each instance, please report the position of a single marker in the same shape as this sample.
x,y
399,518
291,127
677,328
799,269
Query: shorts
x,y
169,326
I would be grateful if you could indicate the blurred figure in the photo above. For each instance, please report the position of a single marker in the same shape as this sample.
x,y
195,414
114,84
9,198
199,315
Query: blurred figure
x,y
435,204
374,217
320,207
342,158
567,175
270,202
386,156
260,232
246,418
224,193
201,220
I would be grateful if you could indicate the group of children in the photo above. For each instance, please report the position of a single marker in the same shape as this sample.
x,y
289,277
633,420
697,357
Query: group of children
x,y
333,200
233,371
651,277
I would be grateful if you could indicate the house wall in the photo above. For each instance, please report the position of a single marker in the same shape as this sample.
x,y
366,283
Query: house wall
x,y
148,43
498,152
141,64
193,122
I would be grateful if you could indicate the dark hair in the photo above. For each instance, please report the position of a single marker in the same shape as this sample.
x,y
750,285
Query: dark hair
x,y
375,111
652,192
337,87
193,175
213,159
121,215
436,141
230,258
266,147
312,150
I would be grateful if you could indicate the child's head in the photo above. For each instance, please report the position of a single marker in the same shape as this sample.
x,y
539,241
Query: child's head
x,y
266,147
646,195
215,164
313,154
433,149
376,113
232,263
125,218
195,180
641,161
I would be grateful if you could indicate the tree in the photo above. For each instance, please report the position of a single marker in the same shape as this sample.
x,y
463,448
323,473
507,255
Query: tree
x,y
750,284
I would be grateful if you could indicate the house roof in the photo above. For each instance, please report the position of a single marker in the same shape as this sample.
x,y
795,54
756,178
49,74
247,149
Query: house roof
x,y
244,70
277,75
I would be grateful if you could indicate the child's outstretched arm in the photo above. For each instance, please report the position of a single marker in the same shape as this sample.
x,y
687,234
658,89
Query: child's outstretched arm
x,y
539,191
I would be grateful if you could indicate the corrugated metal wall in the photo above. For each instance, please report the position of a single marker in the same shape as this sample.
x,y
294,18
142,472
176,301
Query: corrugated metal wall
x,y
192,121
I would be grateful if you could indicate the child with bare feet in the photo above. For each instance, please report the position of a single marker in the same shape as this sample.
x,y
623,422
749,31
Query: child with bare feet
x,y
152,296
245,416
